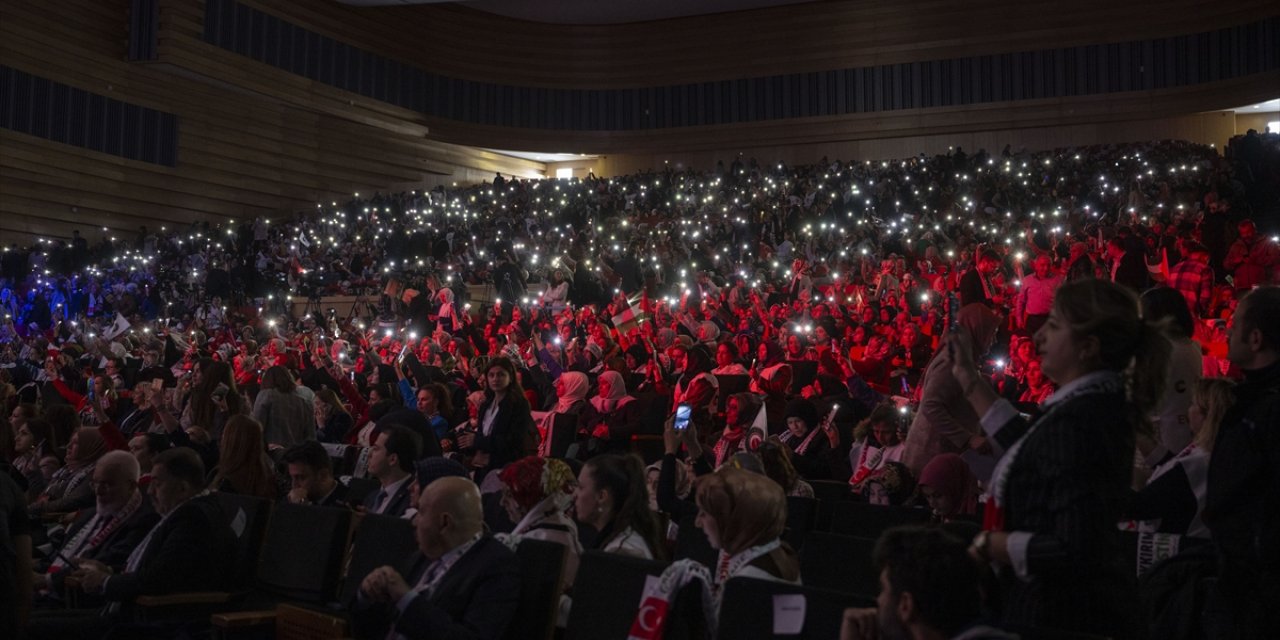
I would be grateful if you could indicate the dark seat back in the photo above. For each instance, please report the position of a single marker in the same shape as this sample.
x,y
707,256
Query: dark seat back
x,y
564,432
541,572
802,374
378,540
840,563
692,543
748,609
801,514
360,488
729,385
248,516
607,594
870,520
303,553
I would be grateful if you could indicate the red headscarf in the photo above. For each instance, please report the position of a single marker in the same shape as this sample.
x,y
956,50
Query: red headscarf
x,y
949,475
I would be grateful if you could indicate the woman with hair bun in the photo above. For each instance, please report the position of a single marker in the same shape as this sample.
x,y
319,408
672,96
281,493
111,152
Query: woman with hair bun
x,y
612,498
1062,481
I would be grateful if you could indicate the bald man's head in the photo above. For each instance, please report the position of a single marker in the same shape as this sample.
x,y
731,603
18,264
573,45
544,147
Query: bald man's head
x,y
449,514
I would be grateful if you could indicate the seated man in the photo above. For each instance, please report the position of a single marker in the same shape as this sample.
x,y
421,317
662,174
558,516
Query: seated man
x,y
463,584
311,475
929,588
190,549
106,533
391,462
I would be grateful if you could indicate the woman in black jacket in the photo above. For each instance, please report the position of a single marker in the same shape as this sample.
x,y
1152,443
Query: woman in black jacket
x,y
1062,481
505,431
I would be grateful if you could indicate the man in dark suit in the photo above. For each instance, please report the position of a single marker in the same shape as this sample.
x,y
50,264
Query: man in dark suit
x,y
1242,505
391,461
311,475
187,551
975,284
464,583
1128,266
106,533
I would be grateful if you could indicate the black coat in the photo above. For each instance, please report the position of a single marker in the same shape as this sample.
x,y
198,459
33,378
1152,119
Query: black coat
x,y
188,552
115,549
476,599
1068,486
513,435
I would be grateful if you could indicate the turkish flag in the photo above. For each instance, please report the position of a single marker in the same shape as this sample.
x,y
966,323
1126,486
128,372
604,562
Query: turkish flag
x,y
650,619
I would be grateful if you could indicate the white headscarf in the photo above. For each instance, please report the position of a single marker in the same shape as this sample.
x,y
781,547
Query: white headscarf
x,y
617,393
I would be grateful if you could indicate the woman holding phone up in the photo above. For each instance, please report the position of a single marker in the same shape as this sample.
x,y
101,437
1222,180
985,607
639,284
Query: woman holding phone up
x,y
1062,480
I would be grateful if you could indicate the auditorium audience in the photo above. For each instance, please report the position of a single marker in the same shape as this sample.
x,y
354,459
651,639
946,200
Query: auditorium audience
x,y
828,308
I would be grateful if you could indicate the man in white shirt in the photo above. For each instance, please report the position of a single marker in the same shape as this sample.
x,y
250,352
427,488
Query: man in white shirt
x,y
1035,296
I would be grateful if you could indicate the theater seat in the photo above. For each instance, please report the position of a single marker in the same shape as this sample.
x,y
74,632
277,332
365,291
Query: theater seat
x,y
840,563
747,611
606,596
692,543
870,520
541,575
801,514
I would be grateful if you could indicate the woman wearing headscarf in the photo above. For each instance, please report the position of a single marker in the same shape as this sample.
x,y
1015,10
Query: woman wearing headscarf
x,y
949,487
740,412
71,487
891,486
945,422
810,445
611,415
743,515
536,493
571,394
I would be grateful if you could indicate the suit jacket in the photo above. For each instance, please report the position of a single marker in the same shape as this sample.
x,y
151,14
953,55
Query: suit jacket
x,y
115,549
513,436
397,503
188,551
1068,486
971,289
1133,273
476,599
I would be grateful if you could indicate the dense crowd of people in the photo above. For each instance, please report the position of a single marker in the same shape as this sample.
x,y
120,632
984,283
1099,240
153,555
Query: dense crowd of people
x,y
1041,349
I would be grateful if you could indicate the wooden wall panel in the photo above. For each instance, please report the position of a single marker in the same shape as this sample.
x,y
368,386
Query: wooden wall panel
x,y
465,43
242,151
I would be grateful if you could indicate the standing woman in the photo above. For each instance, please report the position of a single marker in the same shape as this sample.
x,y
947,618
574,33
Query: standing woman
x,y
612,498
285,417
1062,481
505,432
